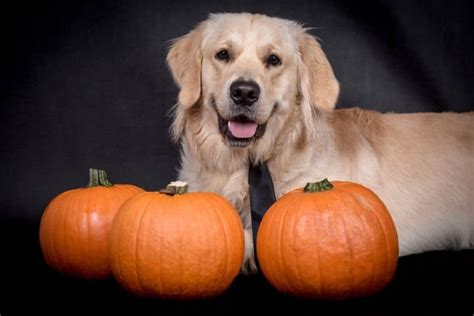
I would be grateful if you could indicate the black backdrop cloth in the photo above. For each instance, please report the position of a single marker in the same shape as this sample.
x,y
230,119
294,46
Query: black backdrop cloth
x,y
84,84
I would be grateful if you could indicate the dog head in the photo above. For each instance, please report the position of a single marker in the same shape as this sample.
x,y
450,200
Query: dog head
x,y
244,75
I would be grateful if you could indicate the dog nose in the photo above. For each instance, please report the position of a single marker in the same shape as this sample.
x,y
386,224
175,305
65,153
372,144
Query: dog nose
x,y
244,92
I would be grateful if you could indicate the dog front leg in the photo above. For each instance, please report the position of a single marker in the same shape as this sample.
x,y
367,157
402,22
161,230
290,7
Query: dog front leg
x,y
249,265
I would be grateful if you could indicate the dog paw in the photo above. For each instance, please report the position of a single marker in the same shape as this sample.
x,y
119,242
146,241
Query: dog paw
x,y
249,264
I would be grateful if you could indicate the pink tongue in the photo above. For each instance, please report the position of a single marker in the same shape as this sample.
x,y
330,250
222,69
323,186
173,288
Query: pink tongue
x,y
242,129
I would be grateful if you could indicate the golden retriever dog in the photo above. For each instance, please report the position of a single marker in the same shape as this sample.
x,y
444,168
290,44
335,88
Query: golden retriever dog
x,y
259,89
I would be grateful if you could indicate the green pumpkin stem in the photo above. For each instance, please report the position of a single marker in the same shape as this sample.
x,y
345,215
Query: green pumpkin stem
x,y
97,178
175,187
320,186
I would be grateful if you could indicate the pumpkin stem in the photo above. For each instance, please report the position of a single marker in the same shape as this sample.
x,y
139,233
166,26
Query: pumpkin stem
x,y
175,187
320,186
97,178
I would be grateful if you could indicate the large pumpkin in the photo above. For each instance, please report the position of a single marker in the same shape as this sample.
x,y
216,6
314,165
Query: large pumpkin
x,y
328,241
176,244
75,227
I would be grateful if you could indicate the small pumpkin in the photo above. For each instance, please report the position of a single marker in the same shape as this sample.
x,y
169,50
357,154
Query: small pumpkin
x,y
328,241
75,226
178,245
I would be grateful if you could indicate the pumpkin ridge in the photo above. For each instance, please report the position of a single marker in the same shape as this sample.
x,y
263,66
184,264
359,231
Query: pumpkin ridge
x,y
168,199
126,188
273,223
208,222
105,199
226,248
368,207
56,240
198,279
53,213
260,250
329,222
165,207
263,252
351,256
316,234
387,250
280,252
87,213
180,275
69,267
116,267
282,224
137,235
43,239
297,215
54,217
299,209
125,192
123,188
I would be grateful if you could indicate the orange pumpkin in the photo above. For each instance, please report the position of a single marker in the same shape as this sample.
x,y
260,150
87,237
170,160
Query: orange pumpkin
x,y
75,226
174,244
328,241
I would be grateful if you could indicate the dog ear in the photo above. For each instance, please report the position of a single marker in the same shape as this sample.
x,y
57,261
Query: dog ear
x,y
316,75
184,60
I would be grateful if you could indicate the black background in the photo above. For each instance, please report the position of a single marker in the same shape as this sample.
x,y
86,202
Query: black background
x,y
84,84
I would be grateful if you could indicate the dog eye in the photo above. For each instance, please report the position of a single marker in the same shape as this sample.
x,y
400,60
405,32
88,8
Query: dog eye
x,y
273,60
223,54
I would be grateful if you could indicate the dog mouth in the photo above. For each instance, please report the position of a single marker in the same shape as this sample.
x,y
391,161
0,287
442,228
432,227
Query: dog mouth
x,y
240,130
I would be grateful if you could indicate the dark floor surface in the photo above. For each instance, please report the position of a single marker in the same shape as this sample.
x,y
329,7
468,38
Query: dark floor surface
x,y
437,283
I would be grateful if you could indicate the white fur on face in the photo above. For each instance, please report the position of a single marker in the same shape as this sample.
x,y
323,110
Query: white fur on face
x,y
249,42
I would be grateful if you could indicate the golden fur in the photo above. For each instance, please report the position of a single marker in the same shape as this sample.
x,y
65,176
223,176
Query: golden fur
x,y
421,165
